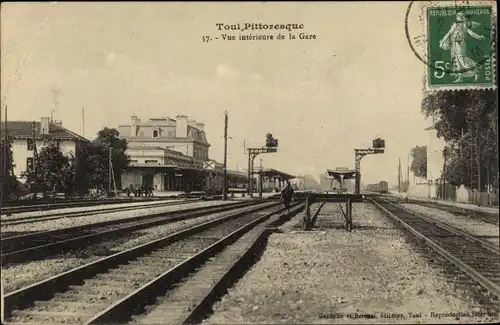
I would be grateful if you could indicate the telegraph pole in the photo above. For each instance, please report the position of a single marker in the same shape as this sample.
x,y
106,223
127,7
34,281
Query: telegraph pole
x,y
2,168
443,177
110,169
399,176
408,172
224,186
34,154
260,180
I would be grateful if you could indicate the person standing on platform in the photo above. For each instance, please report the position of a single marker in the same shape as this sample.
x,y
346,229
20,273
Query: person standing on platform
x,y
287,195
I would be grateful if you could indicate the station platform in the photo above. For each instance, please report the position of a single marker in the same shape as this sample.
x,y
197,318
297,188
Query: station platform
x,y
465,206
330,276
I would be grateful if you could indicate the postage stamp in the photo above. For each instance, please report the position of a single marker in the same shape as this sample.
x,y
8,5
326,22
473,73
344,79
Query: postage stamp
x,y
460,47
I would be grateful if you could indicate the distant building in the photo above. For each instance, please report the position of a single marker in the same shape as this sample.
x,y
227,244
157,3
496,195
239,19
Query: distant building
x,y
307,182
435,160
25,133
165,153
435,157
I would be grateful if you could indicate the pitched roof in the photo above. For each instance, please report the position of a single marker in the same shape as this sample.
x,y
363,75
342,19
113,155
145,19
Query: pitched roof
x,y
24,129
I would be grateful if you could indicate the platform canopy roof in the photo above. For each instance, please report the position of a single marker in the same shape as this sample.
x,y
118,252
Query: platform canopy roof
x,y
165,167
270,173
336,174
231,174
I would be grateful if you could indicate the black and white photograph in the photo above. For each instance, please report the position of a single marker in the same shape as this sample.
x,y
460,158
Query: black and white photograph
x,y
249,162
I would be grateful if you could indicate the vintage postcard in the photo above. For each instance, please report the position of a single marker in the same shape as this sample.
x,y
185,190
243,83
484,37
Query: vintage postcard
x,y
234,162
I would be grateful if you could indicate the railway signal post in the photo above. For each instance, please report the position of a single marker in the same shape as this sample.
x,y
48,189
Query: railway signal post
x,y
271,146
378,147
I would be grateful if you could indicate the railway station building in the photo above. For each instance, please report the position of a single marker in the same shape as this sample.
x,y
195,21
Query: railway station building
x,y
428,188
172,155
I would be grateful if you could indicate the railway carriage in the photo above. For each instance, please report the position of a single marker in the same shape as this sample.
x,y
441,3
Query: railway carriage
x,y
380,187
383,187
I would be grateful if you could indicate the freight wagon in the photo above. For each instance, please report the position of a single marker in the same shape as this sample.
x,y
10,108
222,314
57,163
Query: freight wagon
x,y
380,187
383,187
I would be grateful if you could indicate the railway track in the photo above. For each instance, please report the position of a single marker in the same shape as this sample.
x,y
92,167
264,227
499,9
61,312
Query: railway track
x,y
483,216
116,287
72,204
75,214
473,262
17,249
476,215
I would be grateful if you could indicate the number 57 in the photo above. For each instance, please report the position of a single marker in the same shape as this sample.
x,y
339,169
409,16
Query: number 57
x,y
441,68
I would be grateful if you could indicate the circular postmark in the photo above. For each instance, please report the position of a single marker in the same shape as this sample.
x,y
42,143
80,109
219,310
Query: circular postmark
x,y
456,38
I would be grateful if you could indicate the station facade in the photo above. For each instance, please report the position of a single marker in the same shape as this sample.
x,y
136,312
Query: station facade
x,y
172,155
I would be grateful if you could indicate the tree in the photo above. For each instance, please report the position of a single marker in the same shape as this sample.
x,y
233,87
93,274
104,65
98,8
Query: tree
x,y
109,138
95,164
10,181
93,168
51,171
419,161
467,120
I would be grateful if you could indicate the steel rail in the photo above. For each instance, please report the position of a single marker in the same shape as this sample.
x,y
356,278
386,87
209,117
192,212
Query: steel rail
x,y
316,213
76,214
22,248
481,279
71,204
195,314
45,289
485,244
122,309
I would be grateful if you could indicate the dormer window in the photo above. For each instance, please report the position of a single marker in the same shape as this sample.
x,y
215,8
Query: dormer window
x,y
155,133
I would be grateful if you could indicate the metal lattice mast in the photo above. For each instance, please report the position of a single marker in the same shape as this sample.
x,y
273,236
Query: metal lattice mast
x,y
271,146
378,148
111,176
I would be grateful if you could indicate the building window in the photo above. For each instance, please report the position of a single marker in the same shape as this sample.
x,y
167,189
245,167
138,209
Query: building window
x,y
30,144
155,133
133,161
29,164
151,161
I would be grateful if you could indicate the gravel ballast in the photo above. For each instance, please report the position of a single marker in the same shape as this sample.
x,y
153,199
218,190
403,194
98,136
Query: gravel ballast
x,y
328,275
20,275
100,217
468,224
100,207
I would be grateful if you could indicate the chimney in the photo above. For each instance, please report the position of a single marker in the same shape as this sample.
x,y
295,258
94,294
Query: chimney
x,y
135,122
200,126
44,125
181,126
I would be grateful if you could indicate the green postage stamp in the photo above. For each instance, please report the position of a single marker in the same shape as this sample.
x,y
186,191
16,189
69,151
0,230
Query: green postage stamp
x,y
460,47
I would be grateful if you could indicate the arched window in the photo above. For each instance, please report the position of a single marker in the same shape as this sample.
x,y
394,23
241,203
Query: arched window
x,y
155,133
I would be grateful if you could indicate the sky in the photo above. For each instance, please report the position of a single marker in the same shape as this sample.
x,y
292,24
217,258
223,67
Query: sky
x,y
321,97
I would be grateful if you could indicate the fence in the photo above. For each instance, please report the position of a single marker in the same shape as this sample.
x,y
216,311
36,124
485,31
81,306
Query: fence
x,y
449,192
464,195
